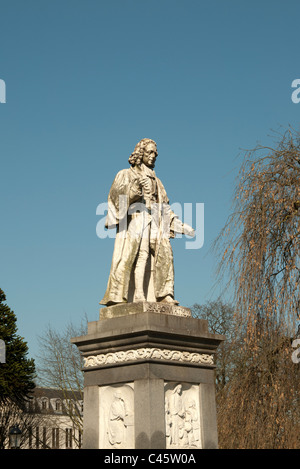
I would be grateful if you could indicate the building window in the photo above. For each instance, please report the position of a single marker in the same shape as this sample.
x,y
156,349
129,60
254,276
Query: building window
x,y
58,406
31,405
55,438
44,437
30,437
44,404
37,438
79,439
69,438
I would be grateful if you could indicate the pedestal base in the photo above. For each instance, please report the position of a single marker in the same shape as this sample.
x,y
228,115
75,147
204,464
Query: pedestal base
x,y
149,379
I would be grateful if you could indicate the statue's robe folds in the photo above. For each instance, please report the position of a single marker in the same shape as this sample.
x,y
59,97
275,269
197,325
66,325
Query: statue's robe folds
x,y
128,214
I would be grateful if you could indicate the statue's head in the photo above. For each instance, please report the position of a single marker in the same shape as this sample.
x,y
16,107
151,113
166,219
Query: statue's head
x,y
145,152
177,389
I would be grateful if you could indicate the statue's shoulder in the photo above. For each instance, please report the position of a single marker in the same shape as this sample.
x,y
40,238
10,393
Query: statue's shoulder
x,y
159,181
124,174
122,181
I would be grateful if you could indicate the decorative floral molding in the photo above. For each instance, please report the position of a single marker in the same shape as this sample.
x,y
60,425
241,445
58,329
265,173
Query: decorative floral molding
x,y
148,353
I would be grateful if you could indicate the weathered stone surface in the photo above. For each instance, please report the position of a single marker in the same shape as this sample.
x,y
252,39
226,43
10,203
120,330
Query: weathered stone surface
x,y
152,354
124,309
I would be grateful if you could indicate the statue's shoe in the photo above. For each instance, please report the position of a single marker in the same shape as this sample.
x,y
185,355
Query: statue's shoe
x,y
168,299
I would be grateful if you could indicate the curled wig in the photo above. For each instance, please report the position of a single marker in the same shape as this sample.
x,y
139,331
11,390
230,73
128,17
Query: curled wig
x,y
136,156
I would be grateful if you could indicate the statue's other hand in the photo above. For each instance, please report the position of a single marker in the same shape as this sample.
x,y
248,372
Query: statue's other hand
x,y
188,230
145,184
184,228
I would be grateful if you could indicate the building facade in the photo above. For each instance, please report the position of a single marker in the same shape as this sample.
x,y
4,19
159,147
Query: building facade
x,y
52,419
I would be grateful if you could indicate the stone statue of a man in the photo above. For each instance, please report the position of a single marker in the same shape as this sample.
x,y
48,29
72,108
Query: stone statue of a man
x,y
142,265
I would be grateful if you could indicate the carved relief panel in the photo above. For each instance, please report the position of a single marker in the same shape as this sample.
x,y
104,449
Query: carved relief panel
x,y
182,416
117,416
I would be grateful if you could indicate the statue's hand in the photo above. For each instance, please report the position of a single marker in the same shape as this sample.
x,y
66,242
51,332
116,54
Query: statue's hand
x,y
145,184
188,230
183,228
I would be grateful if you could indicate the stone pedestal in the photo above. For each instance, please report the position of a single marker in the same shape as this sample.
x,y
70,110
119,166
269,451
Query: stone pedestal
x,y
149,379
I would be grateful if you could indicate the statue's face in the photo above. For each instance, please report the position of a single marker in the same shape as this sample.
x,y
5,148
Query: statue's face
x,y
150,155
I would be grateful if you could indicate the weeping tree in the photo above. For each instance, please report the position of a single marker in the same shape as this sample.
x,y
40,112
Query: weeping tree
x,y
260,244
259,250
221,320
259,407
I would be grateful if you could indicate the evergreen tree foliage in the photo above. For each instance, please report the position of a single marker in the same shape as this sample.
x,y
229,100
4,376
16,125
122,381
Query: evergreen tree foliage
x,y
17,374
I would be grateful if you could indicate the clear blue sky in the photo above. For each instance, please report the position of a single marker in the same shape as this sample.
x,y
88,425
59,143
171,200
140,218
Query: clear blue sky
x,y
85,81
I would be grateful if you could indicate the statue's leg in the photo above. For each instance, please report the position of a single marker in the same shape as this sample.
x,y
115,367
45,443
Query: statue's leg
x,y
164,274
139,273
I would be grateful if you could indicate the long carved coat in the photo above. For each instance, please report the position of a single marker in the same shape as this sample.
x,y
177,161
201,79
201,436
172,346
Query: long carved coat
x,y
124,194
116,427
